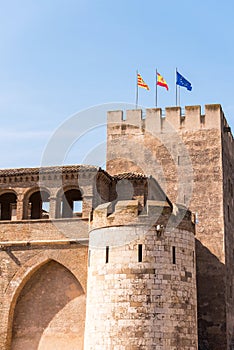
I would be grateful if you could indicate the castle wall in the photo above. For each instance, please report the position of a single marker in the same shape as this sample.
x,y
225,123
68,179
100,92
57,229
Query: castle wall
x,y
26,248
142,273
184,153
42,230
144,304
44,257
39,322
228,210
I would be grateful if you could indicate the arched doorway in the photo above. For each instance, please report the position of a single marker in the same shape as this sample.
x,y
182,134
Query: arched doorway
x,y
50,311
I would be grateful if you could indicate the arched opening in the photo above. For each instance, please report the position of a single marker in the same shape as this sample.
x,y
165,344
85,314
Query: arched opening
x,y
50,311
8,206
38,207
71,204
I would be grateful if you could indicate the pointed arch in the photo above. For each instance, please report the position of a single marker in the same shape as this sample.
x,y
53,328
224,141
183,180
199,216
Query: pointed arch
x,y
50,309
27,271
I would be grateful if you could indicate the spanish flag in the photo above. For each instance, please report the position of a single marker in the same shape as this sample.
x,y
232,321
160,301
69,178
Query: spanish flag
x,y
141,83
161,81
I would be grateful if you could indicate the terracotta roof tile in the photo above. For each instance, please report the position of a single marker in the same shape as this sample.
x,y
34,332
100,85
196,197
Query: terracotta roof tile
x,y
47,170
68,169
132,176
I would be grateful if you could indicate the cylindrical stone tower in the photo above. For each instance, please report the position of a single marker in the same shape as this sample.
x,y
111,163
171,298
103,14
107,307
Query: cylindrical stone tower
x,y
142,278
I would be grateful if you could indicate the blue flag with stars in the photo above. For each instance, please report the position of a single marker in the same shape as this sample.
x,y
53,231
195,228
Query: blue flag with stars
x,y
181,81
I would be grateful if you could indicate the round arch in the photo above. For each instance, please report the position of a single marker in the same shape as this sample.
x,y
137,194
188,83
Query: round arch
x,y
69,202
65,188
8,190
8,202
36,203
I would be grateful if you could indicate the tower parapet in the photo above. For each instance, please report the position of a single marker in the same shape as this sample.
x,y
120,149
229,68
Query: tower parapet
x,y
156,212
174,119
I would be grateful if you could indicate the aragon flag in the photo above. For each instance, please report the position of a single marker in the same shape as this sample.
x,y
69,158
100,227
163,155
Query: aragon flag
x,y
161,81
141,83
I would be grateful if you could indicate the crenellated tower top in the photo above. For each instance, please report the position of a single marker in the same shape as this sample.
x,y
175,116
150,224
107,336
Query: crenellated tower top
x,y
157,213
174,119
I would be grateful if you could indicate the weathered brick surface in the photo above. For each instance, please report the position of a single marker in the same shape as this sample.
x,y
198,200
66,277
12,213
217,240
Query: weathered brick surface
x,y
50,311
228,211
22,266
29,230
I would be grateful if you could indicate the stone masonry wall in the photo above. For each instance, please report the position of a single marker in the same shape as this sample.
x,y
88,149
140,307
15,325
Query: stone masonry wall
x,y
148,304
228,211
184,153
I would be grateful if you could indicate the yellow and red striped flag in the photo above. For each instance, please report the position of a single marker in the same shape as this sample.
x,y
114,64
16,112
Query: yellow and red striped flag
x,y
141,83
161,81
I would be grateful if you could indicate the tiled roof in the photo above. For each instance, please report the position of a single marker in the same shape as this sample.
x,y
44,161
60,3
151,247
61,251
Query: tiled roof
x,y
129,176
47,170
69,169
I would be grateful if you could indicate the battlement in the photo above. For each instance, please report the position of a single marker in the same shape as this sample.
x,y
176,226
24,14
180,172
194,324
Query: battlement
x,y
173,120
155,213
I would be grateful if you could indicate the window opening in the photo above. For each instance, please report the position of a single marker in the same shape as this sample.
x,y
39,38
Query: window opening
x,y
107,254
38,206
71,204
8,206
139,252
173,255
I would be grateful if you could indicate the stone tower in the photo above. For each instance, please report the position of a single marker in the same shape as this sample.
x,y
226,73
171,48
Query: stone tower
x,y
142,276
71,232
191,155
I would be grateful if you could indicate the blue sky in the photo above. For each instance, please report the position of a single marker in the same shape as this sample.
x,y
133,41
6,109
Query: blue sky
x,y
61,57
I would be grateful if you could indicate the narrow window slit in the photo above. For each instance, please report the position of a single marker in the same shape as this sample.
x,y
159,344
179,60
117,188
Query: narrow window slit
x,y
107,254
139,252
173,255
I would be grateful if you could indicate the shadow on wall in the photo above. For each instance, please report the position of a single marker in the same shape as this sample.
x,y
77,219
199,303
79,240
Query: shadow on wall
x,y
211,300
50,311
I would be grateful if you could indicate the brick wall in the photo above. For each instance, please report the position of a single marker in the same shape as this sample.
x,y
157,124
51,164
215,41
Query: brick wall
x,y
31,254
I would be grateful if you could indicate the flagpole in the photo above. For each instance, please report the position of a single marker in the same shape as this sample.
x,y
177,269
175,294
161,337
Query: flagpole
x,y
179,95
136,89
156,89
176,86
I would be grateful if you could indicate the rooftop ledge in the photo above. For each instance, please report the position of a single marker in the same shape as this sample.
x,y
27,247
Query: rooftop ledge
x,y
35,243
34,221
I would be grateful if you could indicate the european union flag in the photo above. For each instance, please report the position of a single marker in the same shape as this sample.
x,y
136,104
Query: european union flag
x,y
181,81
